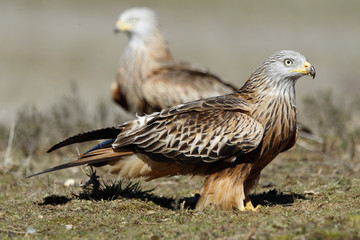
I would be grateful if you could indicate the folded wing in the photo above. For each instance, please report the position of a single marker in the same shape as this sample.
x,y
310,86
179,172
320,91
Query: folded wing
x,y
195,136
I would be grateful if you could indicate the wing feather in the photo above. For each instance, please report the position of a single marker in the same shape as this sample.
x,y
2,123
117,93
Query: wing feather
x,y
184,138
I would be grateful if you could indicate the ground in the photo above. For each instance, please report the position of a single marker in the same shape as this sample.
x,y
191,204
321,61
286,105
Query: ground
x,y
306,196
309,192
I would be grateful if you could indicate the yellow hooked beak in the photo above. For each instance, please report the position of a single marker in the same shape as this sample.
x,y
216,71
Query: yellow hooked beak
x,y
120,26
307,70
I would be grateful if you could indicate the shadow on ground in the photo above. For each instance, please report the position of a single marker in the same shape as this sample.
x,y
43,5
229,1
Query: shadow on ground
x,y
116,190
273,197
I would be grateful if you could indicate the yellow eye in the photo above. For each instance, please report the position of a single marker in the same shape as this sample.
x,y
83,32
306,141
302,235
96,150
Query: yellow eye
x,y
133,20
288,62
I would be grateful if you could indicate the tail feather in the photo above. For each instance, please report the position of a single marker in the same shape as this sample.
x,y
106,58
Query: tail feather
x,y
105,133
105,144
98,157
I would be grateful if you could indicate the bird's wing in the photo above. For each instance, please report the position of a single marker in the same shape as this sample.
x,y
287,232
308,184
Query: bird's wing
x,y
194,136
173,84
230,102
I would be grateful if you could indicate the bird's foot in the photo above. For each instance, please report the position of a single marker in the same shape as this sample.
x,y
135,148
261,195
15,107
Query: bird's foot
x,y
250,207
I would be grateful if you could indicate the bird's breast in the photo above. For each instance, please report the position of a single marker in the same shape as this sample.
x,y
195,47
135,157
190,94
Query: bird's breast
x,y
278,117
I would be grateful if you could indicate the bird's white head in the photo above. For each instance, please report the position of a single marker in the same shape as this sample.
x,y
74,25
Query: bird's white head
x,y
288,65
138,21
278,74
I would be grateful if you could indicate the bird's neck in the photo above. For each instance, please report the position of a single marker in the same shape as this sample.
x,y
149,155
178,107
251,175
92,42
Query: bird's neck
x,y
261,88
151,47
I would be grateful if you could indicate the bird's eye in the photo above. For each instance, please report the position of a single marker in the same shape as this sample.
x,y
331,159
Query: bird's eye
x,y
288,62
133,20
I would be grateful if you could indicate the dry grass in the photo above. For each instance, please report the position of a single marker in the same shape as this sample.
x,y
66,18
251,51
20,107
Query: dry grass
x,y
304,194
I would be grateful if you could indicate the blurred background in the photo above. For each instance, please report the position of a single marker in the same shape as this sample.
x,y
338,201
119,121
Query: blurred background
x,y
46,45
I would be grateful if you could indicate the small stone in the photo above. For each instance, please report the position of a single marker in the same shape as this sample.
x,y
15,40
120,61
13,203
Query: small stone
x,y
31,230
69,182
69,226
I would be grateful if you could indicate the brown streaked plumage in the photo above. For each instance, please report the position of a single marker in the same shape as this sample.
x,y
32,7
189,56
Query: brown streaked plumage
x,y
227,139
148,78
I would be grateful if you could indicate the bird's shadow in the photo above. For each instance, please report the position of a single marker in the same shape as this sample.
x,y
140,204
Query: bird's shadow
x,y
117,190
274,197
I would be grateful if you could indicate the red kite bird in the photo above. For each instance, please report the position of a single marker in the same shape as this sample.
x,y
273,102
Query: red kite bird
x,y
148,78
227,139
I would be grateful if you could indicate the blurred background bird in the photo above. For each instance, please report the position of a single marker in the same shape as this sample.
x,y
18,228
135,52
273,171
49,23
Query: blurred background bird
x,y
69,41
148,78
228,139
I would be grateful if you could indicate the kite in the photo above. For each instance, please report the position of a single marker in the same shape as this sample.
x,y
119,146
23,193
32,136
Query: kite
x,y
148,78
227,139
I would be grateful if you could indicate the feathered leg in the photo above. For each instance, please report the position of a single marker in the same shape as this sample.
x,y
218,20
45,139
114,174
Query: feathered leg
x,y
225,189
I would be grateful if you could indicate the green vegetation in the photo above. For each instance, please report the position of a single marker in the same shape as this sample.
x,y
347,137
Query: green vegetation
x,y
306,193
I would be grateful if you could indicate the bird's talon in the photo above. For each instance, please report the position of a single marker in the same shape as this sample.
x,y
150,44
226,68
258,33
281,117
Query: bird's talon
x,y
250,207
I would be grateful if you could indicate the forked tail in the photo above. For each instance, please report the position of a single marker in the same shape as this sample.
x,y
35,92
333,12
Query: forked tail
x,y
100,155
105,133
